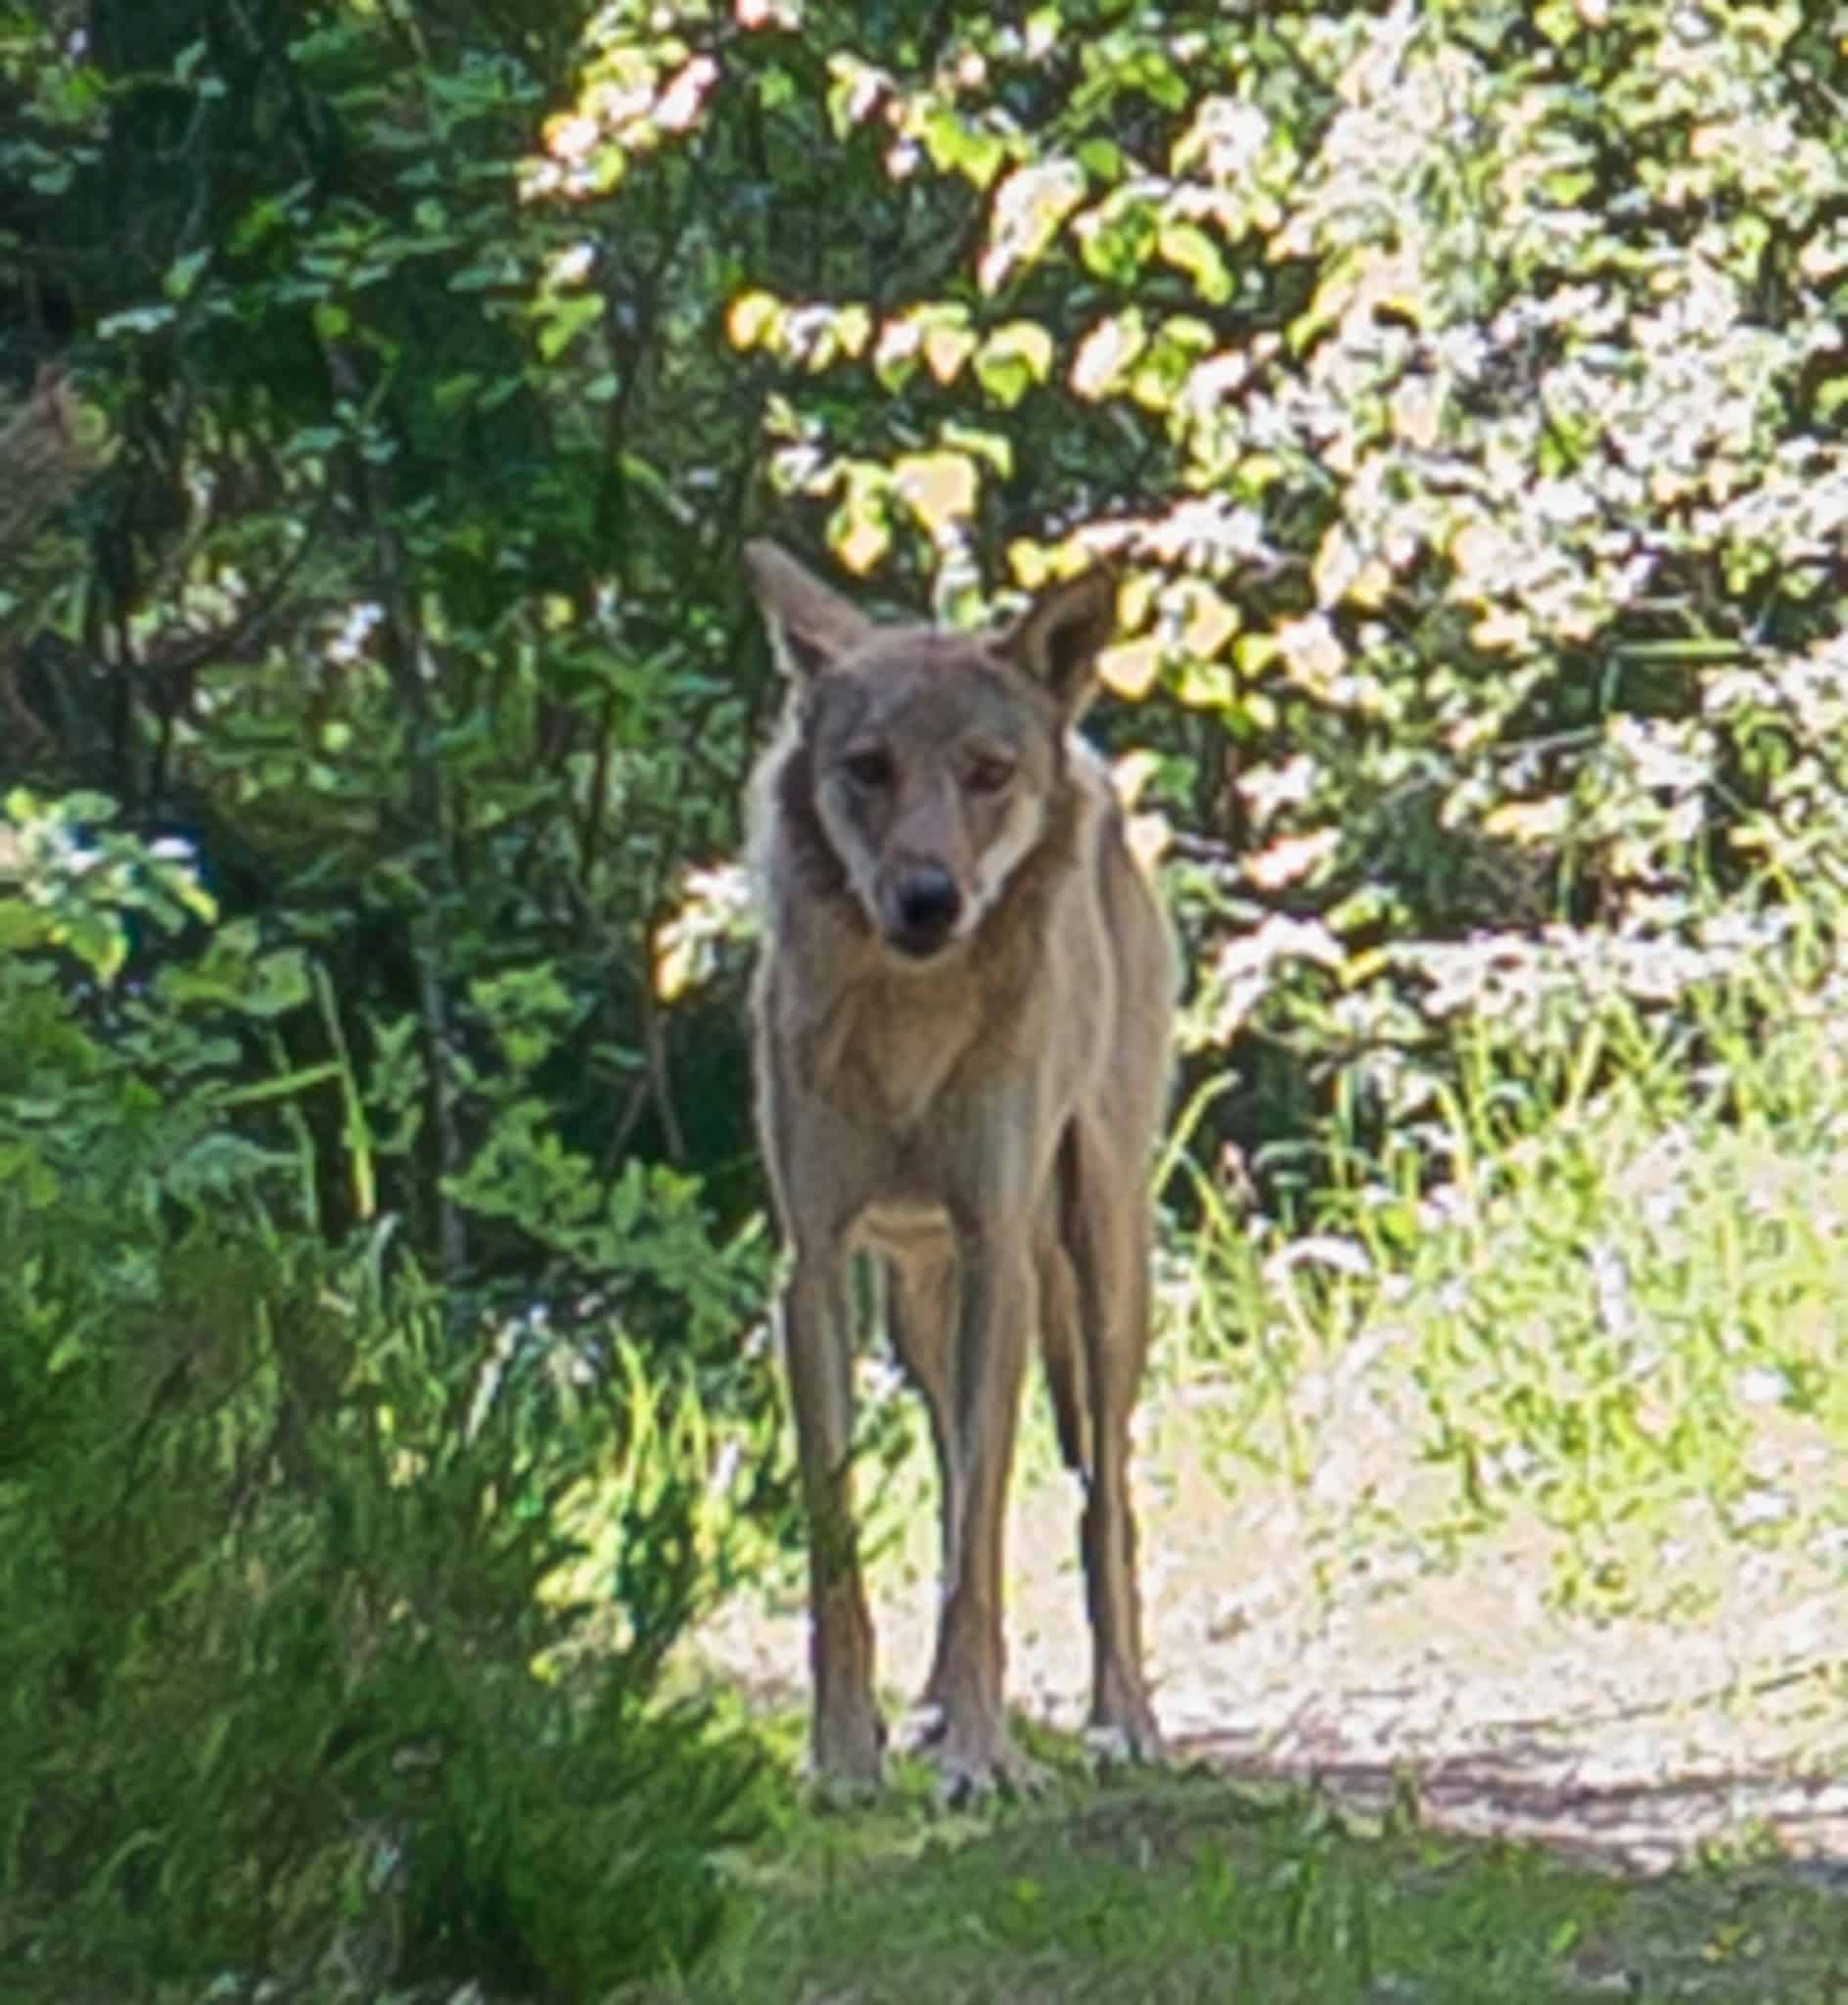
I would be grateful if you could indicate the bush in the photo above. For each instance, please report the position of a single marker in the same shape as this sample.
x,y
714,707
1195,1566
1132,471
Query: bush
x,y
287,1569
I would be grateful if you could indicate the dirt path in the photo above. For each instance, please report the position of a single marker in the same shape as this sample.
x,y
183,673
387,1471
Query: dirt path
x,y
1636,1741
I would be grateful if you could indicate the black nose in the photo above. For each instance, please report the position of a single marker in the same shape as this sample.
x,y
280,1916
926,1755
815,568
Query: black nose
x,y
929,904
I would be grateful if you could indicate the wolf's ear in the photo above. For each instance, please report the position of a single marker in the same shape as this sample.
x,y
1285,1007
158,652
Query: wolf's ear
x,y
1058,638
811,626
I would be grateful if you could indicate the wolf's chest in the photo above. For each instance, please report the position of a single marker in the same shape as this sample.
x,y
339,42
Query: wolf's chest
x,y
897,1055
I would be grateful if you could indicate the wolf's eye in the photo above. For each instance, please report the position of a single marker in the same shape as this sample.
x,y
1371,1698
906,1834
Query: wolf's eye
x,y
870,770
989,776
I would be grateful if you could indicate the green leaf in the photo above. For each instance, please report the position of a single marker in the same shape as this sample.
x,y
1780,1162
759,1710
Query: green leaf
x,y
1188,248
957,145
453,392
284,1086
182,276
22,925
564,320
136,320
1012,359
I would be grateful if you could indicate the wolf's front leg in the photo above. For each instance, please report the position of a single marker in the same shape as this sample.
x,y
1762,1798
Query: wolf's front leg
x,y
996,1308
817,1340
1113,1254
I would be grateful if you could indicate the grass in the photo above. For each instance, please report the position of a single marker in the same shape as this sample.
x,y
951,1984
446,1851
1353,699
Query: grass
x,y
1192,1887
1618,1321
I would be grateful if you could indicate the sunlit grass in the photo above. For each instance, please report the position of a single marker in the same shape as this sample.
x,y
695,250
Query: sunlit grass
x,y
1188,1888
1618,1311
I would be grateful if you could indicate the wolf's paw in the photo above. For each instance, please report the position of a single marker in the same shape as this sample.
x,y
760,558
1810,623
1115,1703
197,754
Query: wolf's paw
x,y
973,1766
1123,1730
1115,1746
920,1728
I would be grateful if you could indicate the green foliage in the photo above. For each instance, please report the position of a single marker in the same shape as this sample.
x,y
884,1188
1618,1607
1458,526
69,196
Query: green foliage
x,y
294,1586
86,880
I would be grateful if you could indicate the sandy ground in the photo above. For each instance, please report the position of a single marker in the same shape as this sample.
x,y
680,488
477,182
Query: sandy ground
x,y
1313,1631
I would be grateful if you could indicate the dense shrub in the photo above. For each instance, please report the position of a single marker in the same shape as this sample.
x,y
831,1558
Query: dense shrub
x,y
289,1561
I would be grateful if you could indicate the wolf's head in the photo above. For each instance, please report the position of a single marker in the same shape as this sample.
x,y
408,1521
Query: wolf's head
x,y
935,758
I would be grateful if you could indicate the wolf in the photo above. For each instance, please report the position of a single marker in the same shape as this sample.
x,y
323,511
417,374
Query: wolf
x,y
960,1020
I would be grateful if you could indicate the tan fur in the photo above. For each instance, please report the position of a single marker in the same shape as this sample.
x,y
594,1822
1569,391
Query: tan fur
x,y
961,1025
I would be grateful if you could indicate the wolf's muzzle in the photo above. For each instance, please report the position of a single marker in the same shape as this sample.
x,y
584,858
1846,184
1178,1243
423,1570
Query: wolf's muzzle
x,y
925,909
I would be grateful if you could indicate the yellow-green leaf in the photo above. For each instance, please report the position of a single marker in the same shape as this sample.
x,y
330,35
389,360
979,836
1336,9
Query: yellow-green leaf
x,y
939,487
1188,248
1130,669
752,318
1012,359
